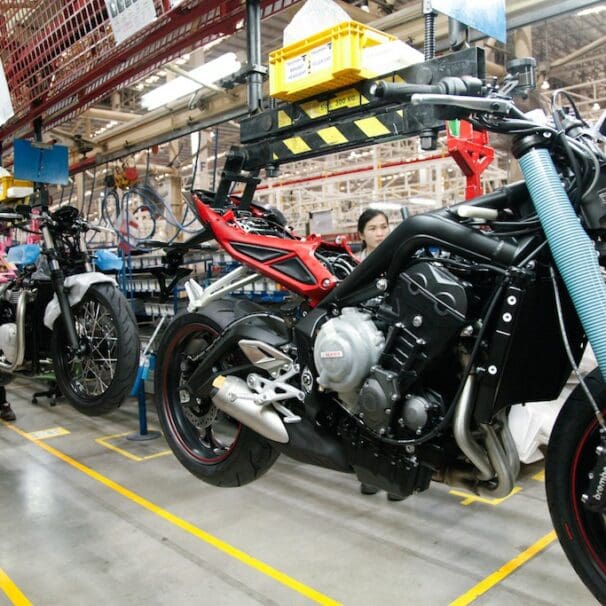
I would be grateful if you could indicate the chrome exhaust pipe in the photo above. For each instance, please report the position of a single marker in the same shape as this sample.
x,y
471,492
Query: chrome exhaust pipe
x,y
233,396
462,422
496,462
513,458
20,322
499,460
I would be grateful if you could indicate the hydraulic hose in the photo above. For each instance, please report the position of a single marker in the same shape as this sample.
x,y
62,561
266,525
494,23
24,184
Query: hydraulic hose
x,y
573,251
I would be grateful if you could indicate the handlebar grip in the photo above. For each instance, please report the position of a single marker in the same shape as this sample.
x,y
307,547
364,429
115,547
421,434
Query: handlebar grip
x,y
467,85
400,92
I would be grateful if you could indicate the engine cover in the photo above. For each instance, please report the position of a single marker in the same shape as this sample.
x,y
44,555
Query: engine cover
x,y
345,350
8,341
430,305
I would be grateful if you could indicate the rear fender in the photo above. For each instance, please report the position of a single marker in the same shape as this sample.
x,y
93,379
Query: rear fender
x,y
259,326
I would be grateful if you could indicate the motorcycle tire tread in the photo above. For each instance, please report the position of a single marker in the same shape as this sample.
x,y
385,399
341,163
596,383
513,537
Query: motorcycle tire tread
x,y
572,422
252,455
128,355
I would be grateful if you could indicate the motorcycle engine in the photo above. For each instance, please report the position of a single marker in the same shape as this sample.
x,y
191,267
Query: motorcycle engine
x,y
8,341
345,350
9,297
423,314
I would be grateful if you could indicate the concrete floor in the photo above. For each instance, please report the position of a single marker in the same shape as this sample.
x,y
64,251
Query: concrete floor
x,y
121,522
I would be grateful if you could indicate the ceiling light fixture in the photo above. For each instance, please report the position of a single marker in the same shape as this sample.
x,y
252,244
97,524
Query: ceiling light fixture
x,y
205,75
386,205
593,10
422,201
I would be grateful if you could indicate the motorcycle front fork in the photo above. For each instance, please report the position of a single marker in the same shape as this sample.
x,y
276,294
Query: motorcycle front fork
x,y
58,281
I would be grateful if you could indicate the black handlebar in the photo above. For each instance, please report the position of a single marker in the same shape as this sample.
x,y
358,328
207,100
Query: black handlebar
x,y
465,86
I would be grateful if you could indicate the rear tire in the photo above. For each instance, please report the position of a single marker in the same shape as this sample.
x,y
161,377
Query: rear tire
x,y
211,445
100,381
570,457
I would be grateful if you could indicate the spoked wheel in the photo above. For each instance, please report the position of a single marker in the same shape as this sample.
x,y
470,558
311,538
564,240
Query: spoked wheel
x,y
571,457
98,380
207,442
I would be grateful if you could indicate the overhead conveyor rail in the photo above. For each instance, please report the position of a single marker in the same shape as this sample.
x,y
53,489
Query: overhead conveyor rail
x,y
348,118
60,56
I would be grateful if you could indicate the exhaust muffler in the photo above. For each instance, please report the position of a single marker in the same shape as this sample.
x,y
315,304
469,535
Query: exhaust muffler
x,y
233,396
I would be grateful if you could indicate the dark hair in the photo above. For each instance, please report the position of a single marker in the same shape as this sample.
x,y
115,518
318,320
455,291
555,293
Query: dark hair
x,y
368,215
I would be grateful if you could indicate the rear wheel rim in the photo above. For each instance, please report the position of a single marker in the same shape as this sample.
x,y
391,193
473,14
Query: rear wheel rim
x,y
202,431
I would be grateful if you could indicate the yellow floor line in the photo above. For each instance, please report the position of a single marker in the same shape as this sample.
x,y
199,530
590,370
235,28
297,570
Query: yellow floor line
x,y
104,441
13,593
469,498
120,451
217,543
496,577
53,432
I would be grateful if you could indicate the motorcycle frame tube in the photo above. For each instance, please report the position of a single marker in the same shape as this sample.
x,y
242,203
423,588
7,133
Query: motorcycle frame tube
x,y
432,229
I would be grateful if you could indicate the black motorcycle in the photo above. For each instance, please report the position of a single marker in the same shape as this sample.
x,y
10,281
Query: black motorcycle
x,y
59,316
402,371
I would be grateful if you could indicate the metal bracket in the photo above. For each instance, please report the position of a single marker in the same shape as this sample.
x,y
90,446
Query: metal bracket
x,y
349,117
241,76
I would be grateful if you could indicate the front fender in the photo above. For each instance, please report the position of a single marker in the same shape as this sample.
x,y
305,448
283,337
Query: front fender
x,y
76,287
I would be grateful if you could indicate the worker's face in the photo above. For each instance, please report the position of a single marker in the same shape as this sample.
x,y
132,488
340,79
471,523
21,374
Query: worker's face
x,y
375,231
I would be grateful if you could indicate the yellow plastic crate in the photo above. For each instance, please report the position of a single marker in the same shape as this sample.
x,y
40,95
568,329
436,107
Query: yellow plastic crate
x,y
11,188
327,60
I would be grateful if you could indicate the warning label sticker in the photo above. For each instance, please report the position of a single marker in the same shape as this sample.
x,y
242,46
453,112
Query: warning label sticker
x,y
311,62
296,68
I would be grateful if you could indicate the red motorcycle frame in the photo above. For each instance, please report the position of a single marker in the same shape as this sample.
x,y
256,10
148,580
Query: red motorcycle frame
x,y
289,260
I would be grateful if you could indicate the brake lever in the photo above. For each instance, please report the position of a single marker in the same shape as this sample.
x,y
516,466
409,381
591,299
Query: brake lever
x,y
492,105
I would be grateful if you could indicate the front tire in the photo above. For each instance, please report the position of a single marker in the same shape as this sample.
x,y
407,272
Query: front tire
x,y
211,445
570,457
98,381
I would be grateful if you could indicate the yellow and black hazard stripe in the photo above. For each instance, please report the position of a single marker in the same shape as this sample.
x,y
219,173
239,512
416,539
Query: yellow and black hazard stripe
x,y
355,132
290,119
301,115
349,117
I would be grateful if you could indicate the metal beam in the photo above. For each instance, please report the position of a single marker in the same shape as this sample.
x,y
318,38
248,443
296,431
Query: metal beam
x,y
160,127
580,51
546,10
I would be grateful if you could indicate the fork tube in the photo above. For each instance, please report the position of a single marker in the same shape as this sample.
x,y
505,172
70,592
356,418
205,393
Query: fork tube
x,y
58,280
84,250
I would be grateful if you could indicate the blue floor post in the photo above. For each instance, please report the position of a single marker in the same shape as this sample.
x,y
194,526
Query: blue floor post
x,y
143,434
